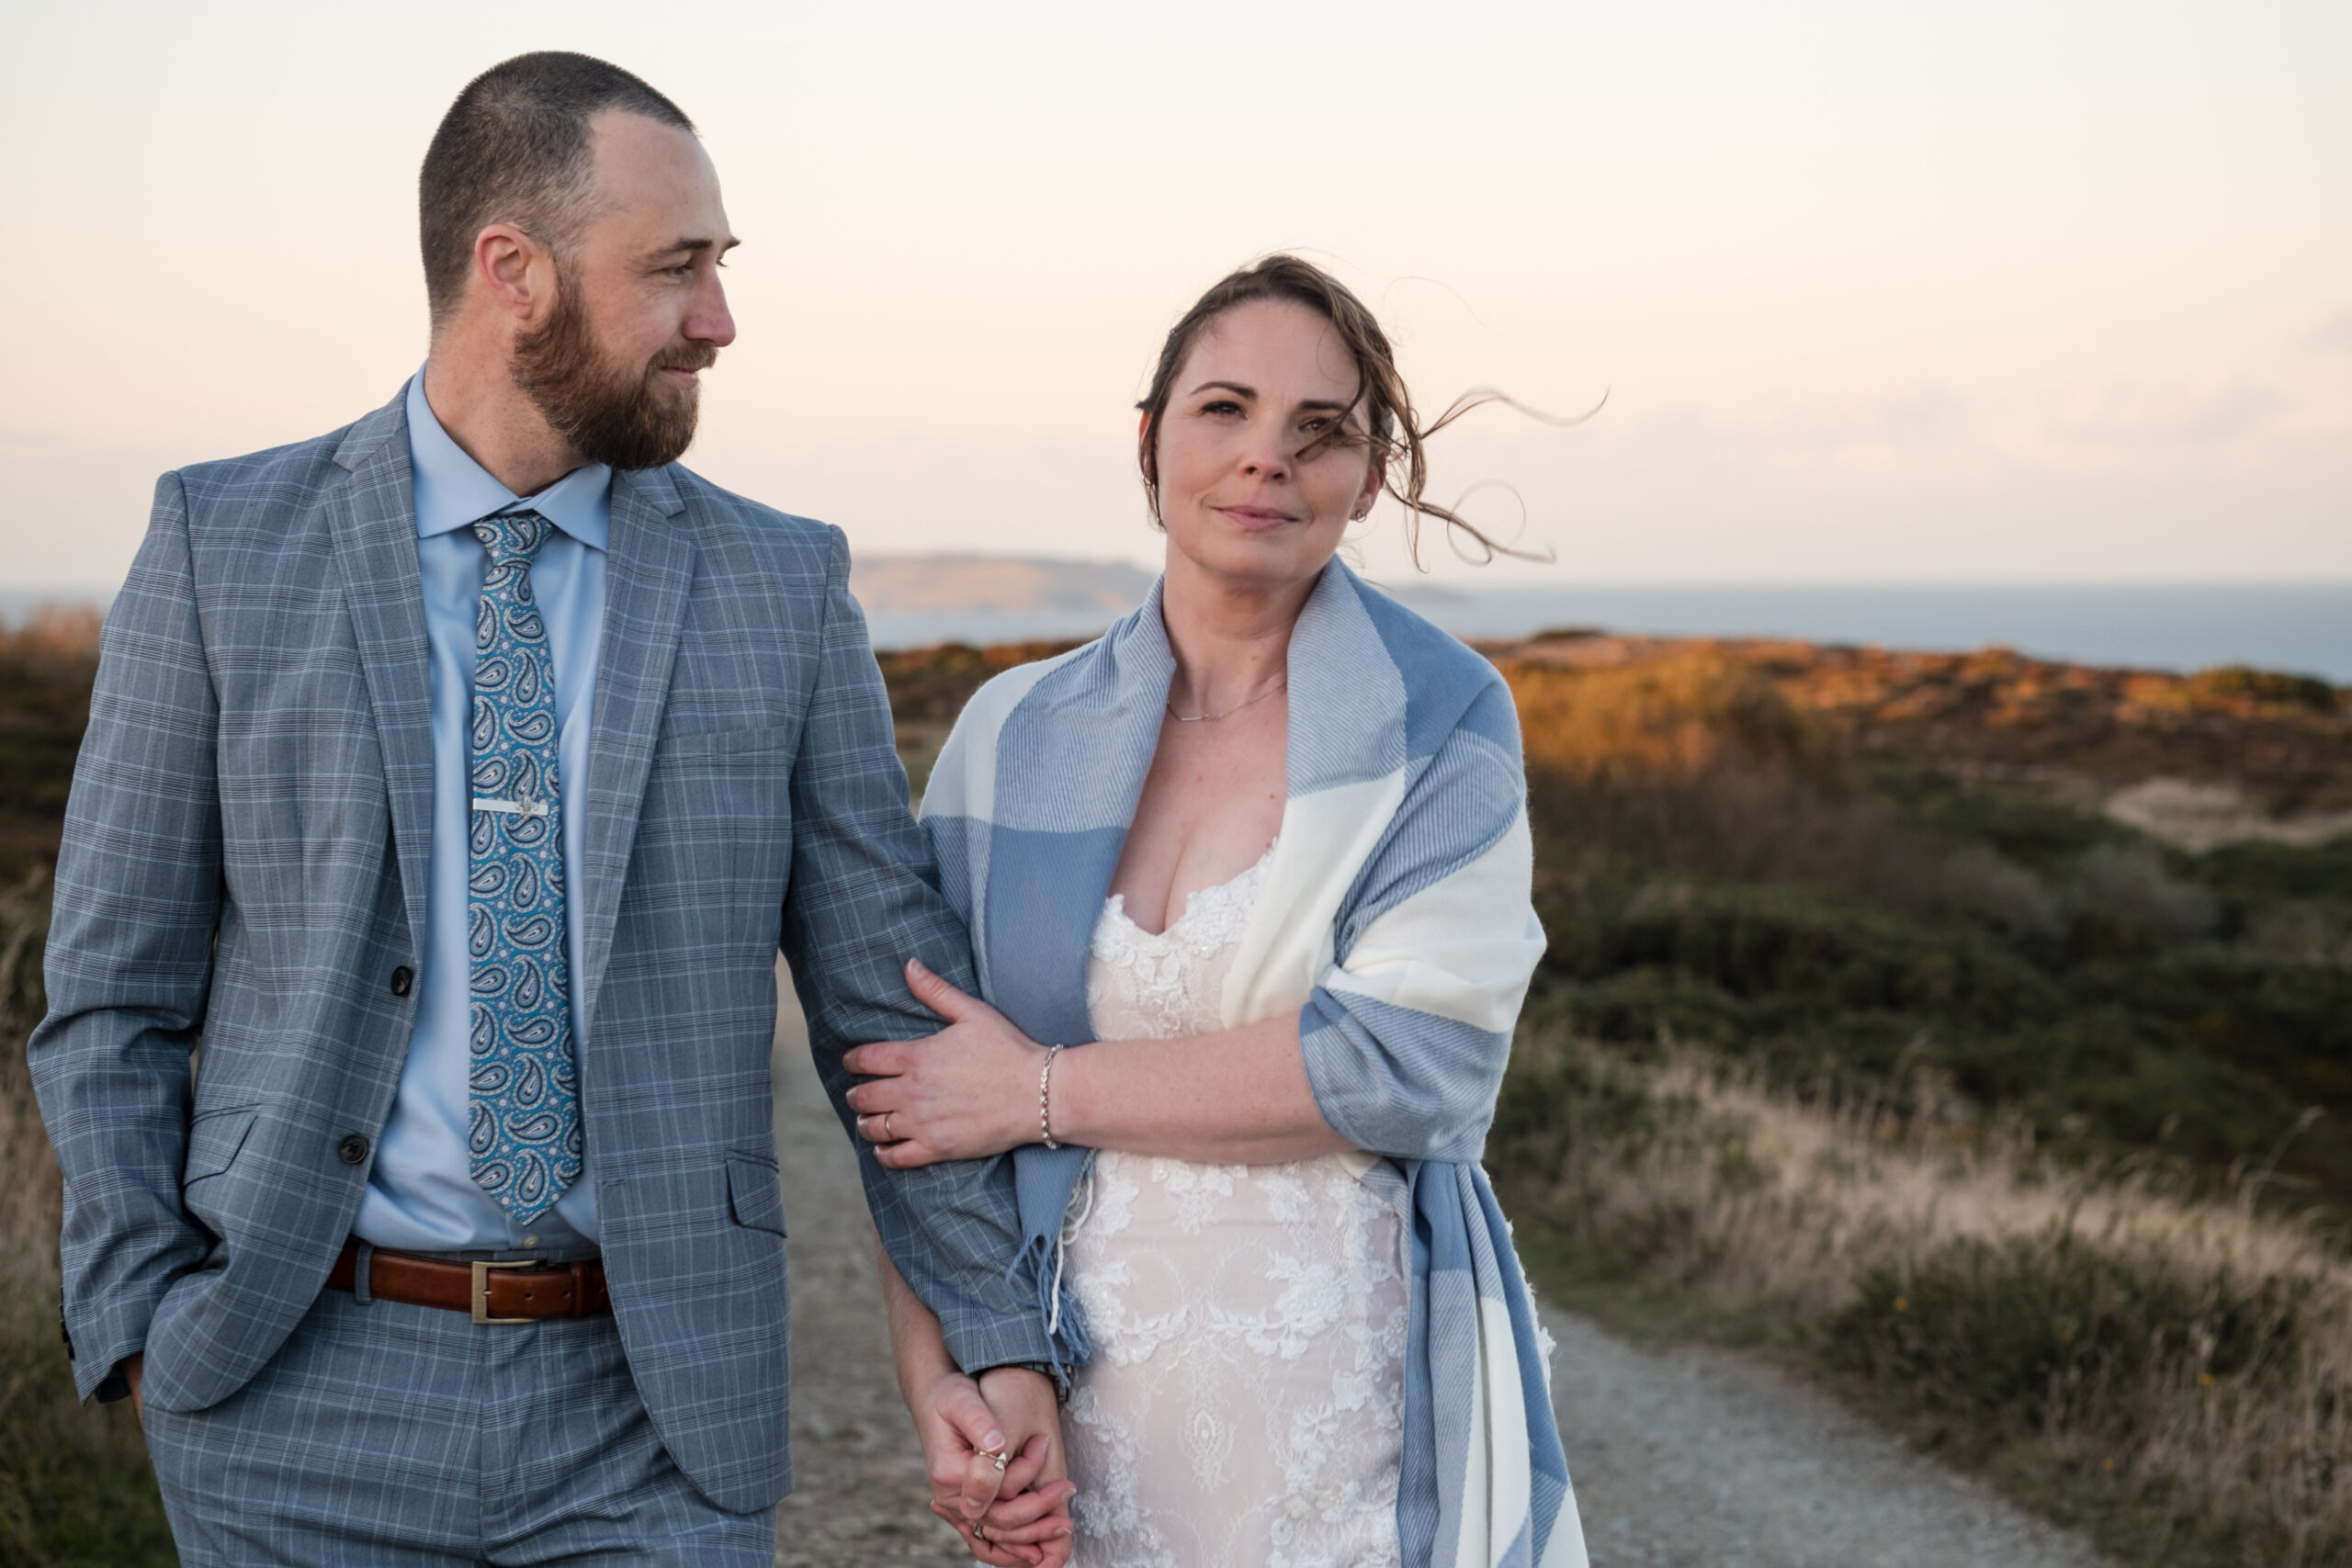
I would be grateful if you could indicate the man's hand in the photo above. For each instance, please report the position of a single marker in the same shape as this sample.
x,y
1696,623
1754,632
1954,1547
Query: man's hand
x,y
959,1432
961,1438
132,1369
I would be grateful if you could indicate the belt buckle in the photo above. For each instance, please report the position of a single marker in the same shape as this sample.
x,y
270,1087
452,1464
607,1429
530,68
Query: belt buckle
x,y
482,1268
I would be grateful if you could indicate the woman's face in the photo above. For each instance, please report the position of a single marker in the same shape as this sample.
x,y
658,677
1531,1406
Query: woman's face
x,y
1262,382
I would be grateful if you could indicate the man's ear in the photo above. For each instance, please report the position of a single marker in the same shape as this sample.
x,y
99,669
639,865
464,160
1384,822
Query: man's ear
x,y
515,272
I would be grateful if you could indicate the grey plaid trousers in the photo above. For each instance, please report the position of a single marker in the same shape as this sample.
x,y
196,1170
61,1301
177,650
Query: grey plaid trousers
x,y
385,1436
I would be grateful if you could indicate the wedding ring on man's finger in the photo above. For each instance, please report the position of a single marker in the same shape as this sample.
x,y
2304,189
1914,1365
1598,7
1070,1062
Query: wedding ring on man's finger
x,y
886,1127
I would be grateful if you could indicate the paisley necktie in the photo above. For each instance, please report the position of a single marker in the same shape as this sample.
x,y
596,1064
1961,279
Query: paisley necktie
x,y
523,1134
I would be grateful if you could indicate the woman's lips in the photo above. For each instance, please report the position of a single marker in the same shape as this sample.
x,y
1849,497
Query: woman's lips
x,y
1256,518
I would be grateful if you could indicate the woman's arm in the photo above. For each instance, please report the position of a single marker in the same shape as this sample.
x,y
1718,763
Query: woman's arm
x,y
1237,1097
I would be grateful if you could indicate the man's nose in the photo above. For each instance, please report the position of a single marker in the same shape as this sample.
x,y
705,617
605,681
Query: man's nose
x,y
709,321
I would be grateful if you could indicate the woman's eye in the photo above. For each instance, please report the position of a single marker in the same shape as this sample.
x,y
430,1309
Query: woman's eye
x,y
1222,406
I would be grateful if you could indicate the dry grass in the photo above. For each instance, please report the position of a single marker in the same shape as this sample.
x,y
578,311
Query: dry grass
x,y
29,1178
2284,740
2176,1377
75,1488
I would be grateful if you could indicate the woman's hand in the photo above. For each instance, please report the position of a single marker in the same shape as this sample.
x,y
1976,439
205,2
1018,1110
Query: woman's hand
x,y
1029,1521
967,1092
1016,1516
961,1436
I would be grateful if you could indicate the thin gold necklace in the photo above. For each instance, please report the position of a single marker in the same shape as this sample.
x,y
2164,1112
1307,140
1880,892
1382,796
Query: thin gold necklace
x,y
1247,701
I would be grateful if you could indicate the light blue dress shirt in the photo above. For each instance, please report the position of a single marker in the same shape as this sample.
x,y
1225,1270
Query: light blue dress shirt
x,y
420,1196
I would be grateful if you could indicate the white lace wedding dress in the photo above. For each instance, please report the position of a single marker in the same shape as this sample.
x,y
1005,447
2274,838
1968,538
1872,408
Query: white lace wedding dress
x,y
1243,1408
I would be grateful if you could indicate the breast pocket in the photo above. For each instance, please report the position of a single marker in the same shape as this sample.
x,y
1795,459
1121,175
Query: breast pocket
x,y
695,744
716,830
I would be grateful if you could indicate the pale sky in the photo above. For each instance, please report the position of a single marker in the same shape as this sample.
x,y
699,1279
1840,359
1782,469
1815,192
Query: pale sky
x,y
1933,291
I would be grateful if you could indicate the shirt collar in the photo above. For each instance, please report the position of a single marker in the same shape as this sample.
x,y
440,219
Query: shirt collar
x,y
453,491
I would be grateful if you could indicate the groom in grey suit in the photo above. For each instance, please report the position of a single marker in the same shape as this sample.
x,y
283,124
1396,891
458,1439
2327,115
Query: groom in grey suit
x,y
452,781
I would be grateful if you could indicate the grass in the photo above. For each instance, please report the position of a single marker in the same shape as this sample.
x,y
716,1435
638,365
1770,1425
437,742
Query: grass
x,y
1867,1040
1718,864
75,1487
2174,1377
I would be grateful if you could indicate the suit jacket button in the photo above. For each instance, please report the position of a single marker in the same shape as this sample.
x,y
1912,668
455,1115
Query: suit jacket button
x,y
403,978
353,1149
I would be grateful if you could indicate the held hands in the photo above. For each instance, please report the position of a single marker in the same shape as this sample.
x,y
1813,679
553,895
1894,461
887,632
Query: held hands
x,y
1016,1517
967,1092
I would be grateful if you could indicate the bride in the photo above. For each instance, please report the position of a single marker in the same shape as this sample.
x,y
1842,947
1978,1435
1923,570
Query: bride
x,y
1248,881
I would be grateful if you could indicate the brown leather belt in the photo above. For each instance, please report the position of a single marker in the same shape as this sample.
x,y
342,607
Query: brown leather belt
x,y
523,1292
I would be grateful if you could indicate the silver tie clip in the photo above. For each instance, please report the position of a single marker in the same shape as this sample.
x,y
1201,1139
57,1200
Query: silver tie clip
x,y
512,807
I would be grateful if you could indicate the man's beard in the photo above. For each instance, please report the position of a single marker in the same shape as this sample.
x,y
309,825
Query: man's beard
x,y
623,418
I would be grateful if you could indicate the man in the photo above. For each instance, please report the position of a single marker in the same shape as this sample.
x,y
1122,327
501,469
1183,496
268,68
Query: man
x,y
451,781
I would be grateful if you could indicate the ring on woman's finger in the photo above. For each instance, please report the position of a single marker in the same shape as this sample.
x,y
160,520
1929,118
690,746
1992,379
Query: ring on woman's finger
x,y
1001,1457
980,1530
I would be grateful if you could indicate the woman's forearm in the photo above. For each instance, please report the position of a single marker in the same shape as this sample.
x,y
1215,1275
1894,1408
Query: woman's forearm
x,y
1239,1097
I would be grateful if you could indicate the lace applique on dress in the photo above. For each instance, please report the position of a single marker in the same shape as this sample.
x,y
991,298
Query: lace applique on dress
x,y
1244,1408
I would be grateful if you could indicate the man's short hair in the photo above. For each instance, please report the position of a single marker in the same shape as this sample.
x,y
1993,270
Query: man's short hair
x,y
514,149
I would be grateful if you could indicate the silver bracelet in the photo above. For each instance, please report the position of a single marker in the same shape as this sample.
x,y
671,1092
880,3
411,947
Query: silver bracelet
x,y
1044,1104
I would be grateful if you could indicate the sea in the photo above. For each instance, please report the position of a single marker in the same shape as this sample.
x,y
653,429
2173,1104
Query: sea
x,y
2300,627
2304,629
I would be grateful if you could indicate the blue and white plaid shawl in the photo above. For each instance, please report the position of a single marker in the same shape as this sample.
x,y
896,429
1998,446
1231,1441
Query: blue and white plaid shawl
x,y
1394,921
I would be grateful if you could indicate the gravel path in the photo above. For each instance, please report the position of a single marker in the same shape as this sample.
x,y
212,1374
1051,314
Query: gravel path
x,y
859,1495
1689,1459
1700,1459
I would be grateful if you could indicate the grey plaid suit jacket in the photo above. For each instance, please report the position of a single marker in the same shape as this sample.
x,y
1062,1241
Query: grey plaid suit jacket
x,y
244,866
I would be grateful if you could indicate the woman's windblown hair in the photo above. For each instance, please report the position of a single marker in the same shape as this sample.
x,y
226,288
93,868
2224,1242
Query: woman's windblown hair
x,y
1390,427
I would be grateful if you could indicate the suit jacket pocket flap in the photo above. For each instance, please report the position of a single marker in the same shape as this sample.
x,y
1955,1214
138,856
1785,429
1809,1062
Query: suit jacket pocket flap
x,y
755,1194
214,1140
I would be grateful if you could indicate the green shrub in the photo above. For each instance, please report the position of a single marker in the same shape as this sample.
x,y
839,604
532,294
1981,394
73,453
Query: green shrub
x,y
2040,1333
2245,683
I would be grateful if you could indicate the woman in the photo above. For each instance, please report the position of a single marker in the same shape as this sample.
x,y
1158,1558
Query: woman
x,y
1248,880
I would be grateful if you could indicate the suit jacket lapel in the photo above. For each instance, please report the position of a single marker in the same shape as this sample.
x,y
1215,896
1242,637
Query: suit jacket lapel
x,y
648,579
372,517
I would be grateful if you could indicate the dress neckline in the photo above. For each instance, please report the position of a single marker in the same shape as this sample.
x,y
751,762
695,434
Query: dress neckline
x,y
1198,901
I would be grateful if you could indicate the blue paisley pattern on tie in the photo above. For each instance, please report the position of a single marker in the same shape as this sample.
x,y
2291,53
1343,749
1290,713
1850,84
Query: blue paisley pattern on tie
x,y
523,1132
